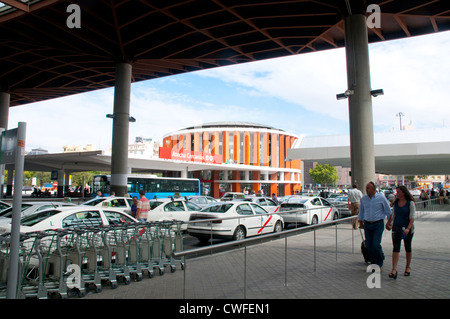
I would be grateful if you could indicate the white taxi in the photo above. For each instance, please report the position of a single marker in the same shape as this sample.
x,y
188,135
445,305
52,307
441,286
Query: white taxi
x,y
122,203
71,218
168,209
233,220
307,210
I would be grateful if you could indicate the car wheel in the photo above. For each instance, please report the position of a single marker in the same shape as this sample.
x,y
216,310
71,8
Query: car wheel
x,y
239,233
278,227
336,216
315,220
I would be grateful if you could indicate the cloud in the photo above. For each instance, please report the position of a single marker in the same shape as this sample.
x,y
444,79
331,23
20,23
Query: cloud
x,y
296,93
413,72
73,120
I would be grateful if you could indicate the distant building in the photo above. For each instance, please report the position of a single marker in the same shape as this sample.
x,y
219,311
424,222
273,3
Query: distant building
x,y
144,148
249,157
78,148
37,151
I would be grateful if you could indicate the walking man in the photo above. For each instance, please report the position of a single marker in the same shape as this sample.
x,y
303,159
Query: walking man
x,y
374,208
354,197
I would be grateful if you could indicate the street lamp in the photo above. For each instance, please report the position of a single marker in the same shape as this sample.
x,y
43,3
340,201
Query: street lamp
x,y
400,114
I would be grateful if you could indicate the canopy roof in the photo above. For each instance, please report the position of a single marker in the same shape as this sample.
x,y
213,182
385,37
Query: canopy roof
x,y
420,152
42,58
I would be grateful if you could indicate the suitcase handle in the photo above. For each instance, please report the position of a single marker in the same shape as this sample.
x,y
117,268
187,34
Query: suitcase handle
x,y
362,236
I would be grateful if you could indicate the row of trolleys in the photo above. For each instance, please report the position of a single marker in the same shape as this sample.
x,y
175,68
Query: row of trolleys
x,y
70,262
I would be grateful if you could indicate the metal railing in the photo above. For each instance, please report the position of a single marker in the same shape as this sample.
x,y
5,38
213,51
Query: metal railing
x,y
422,208
261,238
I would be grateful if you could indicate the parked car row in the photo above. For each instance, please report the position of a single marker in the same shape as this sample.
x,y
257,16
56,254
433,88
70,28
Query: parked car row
x,y
237,218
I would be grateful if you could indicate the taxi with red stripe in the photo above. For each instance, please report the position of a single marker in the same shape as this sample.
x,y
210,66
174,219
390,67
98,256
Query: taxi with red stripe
x,y
233,220
305,210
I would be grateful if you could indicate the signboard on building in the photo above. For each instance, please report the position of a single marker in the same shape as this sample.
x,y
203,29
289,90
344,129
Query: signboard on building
x,y
8,142
189,156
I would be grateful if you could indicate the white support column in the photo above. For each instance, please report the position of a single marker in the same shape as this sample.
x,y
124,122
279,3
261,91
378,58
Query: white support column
x,y
121,118
360,101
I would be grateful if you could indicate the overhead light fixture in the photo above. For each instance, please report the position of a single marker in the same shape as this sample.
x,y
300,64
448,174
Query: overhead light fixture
x,y
113,116
375,93
344,95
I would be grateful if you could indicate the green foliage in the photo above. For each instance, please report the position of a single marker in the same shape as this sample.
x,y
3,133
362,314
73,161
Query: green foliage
x,y
324,174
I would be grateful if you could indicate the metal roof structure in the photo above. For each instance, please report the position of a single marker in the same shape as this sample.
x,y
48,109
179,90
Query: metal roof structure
x,y
42,56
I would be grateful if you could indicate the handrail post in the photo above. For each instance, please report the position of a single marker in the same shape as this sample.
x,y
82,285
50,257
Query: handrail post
x,y
314,250
336,244
245,271
285,261
184,277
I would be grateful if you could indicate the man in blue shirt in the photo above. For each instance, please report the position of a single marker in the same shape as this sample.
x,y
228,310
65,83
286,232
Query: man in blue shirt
x,y
374,208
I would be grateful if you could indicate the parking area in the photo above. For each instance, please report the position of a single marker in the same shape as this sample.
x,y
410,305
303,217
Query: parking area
x,y
305,273
324,263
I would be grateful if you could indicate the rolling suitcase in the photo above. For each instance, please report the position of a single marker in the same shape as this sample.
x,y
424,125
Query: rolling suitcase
x,y
364,248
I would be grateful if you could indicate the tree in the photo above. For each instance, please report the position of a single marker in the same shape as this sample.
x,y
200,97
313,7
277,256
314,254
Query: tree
x,y
324,174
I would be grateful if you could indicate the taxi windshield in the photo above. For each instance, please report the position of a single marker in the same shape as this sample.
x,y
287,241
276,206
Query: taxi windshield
x,y
217,208
36,218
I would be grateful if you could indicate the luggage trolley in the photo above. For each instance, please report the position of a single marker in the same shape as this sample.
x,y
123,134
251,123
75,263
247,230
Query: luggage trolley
x,y
173,241
129,250
74,256
157,256
137,241
107,272
35,249
91,244
146,243
5,241
178,242
25,254
52,275
59,261
119,244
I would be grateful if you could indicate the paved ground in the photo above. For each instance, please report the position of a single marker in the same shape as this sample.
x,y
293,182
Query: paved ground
x,y
326,276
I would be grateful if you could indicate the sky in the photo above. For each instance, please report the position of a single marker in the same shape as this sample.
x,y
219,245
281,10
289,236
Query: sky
x,y
295,93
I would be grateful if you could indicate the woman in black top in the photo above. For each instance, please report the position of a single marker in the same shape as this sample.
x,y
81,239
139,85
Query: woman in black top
x,y
401,222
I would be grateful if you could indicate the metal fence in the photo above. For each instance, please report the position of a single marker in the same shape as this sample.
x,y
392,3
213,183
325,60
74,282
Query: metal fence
x,y
261,239
422,208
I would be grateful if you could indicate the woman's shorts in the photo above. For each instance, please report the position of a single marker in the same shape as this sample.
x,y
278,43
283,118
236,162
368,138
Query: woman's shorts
x,y
397,240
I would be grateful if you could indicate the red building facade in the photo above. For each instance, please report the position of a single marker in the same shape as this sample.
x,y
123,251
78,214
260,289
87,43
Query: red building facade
x,y
249,157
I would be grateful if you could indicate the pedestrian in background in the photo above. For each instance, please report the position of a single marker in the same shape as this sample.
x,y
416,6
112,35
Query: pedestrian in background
x,y
424,197
274,198
353,201
401,222
143,207
374,208
134,206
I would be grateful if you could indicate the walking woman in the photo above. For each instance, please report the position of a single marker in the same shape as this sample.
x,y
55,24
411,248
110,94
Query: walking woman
x,y
401,222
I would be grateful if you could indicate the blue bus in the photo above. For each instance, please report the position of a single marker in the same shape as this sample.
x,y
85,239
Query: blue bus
x,y
154,186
